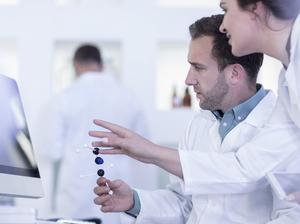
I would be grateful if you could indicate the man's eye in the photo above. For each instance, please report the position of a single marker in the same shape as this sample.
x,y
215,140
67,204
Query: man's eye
x,y
198,68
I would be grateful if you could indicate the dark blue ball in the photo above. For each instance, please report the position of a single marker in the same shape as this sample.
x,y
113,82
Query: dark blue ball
x,y
100,173
96,151
99,160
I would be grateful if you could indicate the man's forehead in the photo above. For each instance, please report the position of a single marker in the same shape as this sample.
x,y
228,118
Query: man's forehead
x,y
202,45
203,41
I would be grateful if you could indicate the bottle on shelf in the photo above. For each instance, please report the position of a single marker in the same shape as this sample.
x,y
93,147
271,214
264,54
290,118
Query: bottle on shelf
x,y
176,101
187,100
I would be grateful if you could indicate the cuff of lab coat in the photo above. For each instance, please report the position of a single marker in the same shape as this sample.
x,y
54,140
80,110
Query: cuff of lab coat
x,y
160,206
135,211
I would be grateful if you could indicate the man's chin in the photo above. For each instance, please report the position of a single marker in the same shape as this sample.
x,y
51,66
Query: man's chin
x,y
203,106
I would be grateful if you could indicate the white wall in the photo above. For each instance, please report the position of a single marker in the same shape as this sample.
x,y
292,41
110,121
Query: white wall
x,y
36,25
33,28
139,26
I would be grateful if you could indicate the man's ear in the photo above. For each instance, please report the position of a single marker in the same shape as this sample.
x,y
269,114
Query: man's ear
x,y
77,68
237,73
75,65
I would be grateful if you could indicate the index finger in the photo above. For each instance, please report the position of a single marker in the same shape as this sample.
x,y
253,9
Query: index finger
x,y
112,127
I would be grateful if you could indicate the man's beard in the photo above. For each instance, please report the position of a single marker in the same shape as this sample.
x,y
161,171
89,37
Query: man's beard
x,y
214,97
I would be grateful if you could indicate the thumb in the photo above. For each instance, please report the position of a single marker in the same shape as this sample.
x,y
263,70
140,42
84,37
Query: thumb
x,y
115,184
111,184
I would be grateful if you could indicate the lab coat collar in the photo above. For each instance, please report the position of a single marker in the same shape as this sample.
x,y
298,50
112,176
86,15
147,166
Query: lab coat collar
x,y
208,114
257,117
292,69
96,75
282,78
295,35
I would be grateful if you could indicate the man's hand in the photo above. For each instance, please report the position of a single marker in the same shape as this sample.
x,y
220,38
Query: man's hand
x,y
124,141
113,196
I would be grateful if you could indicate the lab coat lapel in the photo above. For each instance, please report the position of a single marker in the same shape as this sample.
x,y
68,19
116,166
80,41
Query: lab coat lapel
x,y
292,74
256,119
214,136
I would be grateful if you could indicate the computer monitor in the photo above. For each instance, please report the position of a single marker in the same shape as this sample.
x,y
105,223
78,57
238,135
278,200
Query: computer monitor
x,y
19,174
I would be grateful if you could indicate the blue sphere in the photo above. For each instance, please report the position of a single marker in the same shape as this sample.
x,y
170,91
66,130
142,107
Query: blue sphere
x,y
99,160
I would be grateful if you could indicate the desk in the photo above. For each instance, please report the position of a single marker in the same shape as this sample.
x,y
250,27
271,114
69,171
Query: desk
x,y
20,215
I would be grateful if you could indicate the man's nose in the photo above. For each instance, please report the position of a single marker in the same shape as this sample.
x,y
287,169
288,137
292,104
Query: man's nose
x,y
190,80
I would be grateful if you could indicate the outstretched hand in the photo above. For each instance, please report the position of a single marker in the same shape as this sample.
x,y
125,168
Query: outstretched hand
x,y
123,141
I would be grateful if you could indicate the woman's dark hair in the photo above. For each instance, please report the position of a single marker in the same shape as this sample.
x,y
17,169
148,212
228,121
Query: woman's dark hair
x,y
221,50
282,9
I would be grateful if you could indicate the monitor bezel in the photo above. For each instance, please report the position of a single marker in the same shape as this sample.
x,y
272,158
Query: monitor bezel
x,y
19,182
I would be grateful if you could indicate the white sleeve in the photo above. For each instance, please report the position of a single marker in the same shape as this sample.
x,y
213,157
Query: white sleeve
x,y
164,206
242,171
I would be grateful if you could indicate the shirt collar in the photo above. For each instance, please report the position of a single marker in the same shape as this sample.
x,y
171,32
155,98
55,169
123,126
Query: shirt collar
x,y
87,76
90,74
218,114
242,110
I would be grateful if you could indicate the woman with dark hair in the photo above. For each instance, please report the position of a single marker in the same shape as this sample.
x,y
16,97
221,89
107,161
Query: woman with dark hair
x,y
261,26
271,27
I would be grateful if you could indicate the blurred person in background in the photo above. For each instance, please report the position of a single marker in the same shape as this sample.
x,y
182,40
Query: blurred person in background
x,y
95,93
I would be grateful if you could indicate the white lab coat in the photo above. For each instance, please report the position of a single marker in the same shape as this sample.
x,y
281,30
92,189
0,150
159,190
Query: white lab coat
x,y
275,144
289,83
276,147
183,203
289,97
93,95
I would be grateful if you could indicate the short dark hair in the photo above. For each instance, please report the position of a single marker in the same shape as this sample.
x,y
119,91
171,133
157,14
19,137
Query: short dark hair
x,y
221,50
282,9
88,54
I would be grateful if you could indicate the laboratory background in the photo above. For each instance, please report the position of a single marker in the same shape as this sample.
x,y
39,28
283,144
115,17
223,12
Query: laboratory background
x,y
144,44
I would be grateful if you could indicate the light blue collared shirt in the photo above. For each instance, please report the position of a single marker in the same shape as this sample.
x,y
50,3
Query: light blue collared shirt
x,y
233,117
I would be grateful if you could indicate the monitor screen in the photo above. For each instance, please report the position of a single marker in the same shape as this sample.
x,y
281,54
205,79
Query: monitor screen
x,y
19,174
